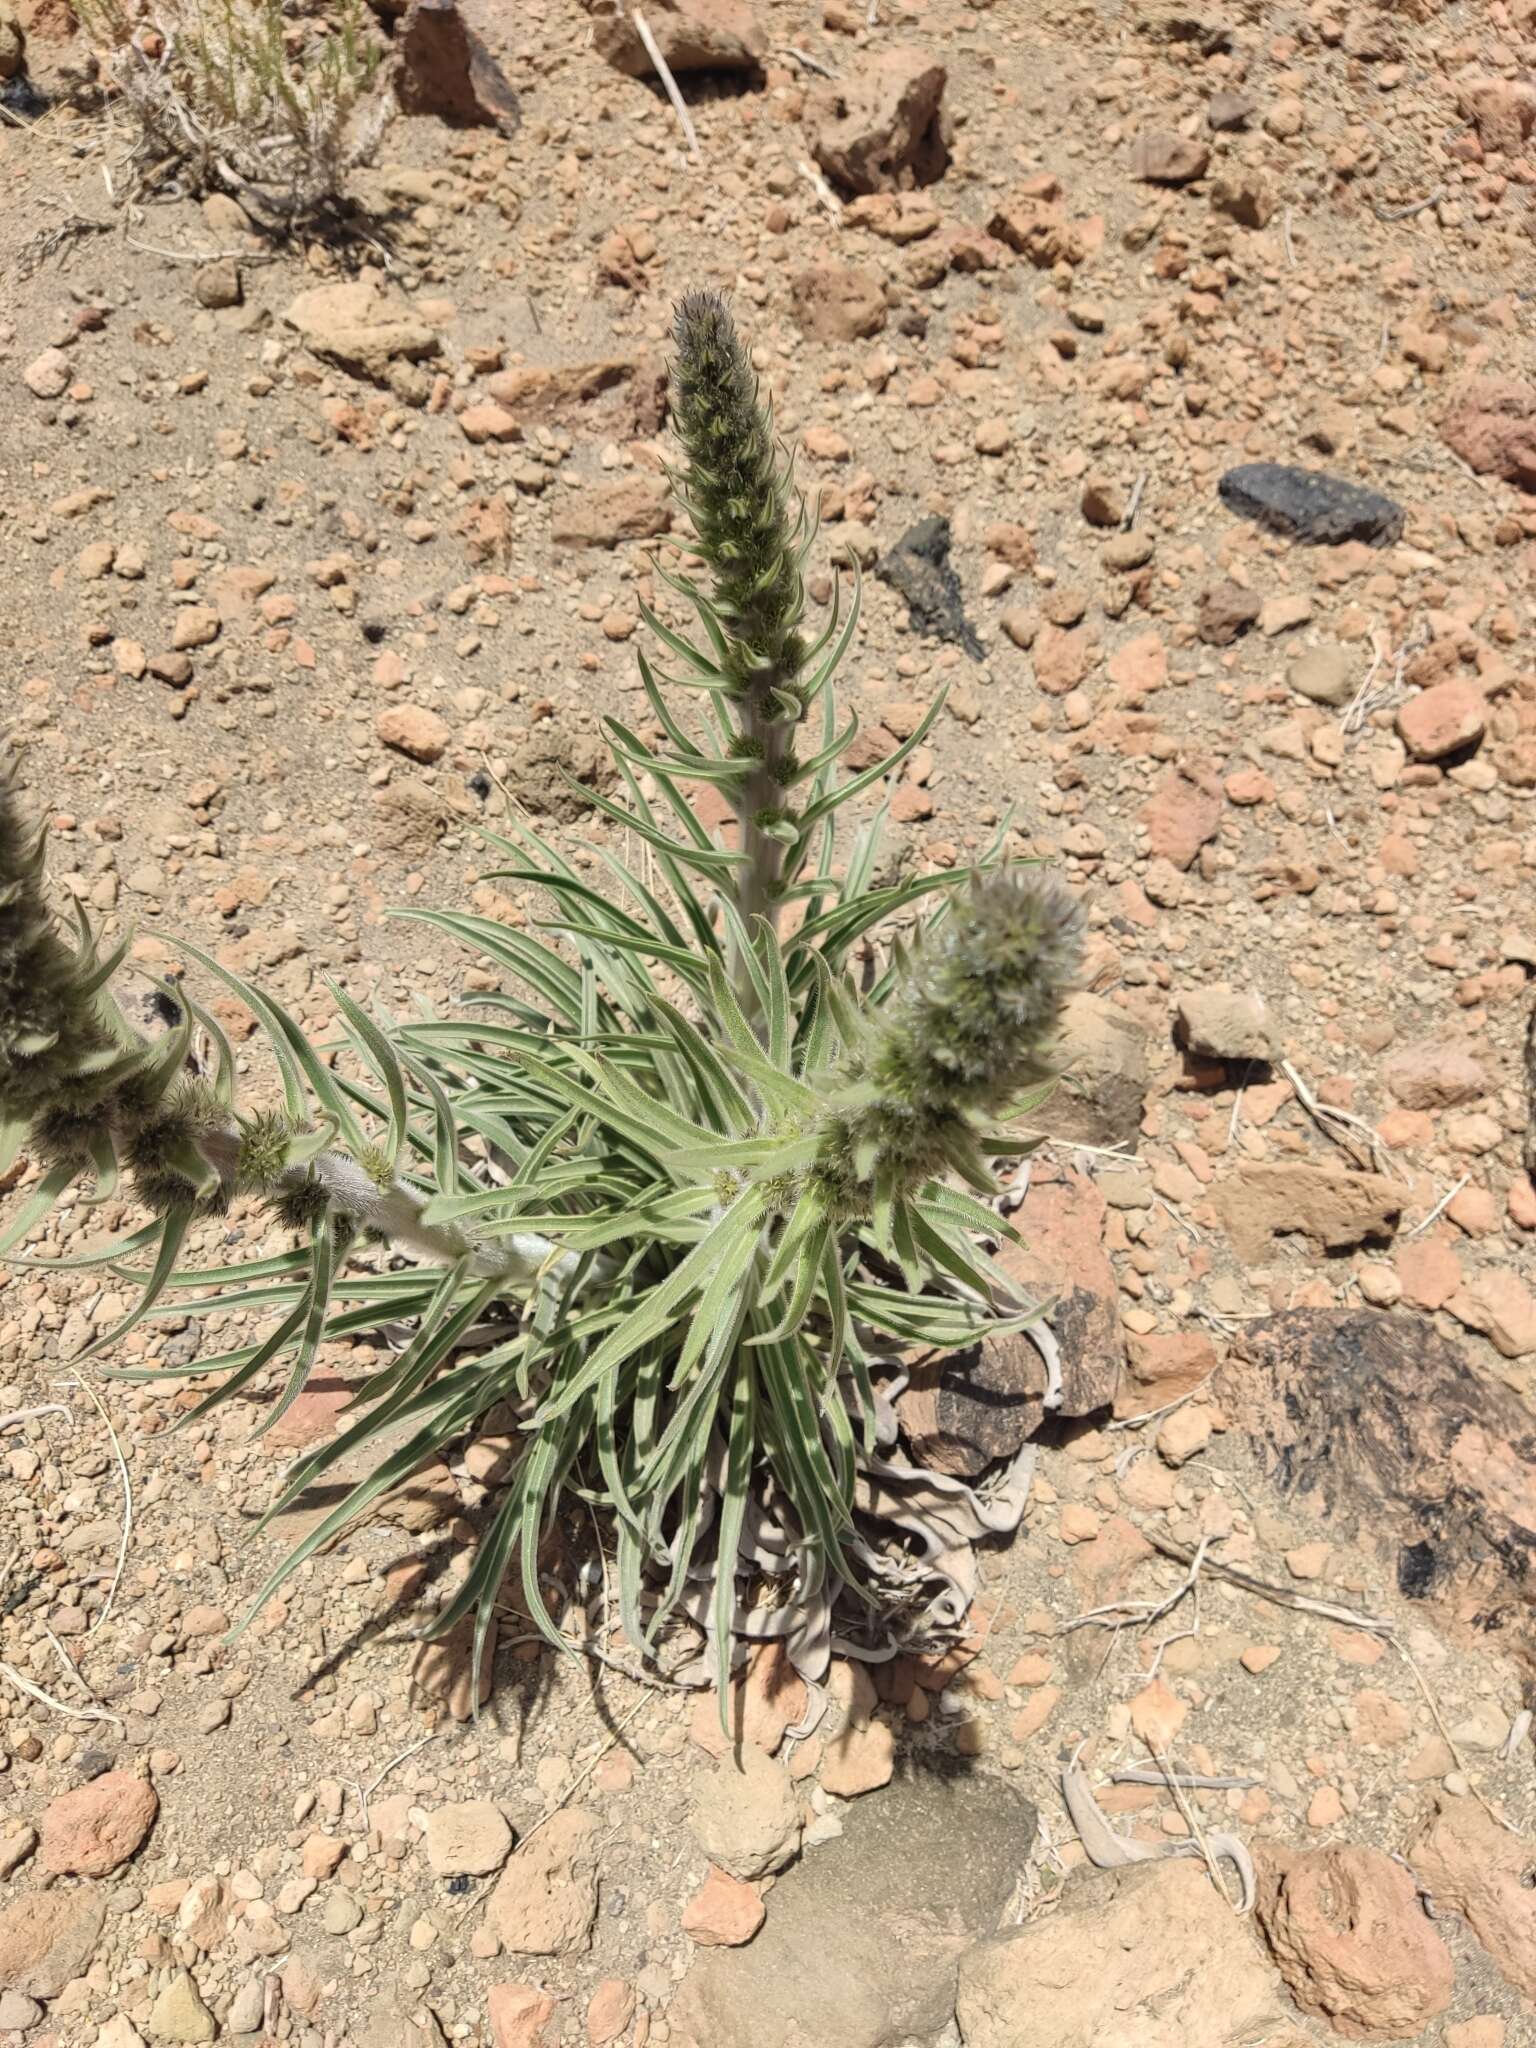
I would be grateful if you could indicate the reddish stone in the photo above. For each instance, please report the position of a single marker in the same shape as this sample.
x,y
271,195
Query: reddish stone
x,y
1435,1075
1502,111
609,2011
692,35
878,127
724,1912
767,1699
519,2015
1140,666
1429,1271
1481,1871
1103,1569
1352,1940
446,69
93,1830
1159,158
1443,720
1183,812
311,1417
1161,1367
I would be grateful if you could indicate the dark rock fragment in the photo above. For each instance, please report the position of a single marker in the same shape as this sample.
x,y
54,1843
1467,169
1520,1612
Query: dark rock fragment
x,y
918,567
1309,505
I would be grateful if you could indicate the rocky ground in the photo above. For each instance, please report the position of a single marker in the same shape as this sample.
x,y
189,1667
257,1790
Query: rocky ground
x,y
317,554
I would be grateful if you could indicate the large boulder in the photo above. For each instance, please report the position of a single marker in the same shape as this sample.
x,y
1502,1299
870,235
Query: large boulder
x,y
1100,1096
621,396
366,324
546,1899
837,302
1266,1199
1482,1872
864,1936
1348,1930
967,1408
1148,1957
447,70
881,128
1493,429
1382,1424
46,1938
692,35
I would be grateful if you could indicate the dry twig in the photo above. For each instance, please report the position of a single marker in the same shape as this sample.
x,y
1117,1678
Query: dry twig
x,y
1351,1132
1194,1781
1370,1624
1108,1851
823,191
1414,206
664,73
1118,1614
127,1485
30,1414
366,1792
1152,1414
35,1692
1191,1819
1443,1204
1449,1740
807,61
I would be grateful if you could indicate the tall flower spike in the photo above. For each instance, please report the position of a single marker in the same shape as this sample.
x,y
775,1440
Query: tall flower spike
x,y
968,1030
737,494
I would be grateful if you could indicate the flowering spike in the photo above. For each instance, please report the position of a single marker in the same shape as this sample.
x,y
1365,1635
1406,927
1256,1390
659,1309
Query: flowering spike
x,y
967,1029
737,494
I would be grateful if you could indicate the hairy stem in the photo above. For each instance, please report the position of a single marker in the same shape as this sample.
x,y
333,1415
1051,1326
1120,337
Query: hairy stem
x,y
396,1212
759,794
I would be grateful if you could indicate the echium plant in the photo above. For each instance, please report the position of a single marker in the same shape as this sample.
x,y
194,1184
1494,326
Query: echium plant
x,y
682,1195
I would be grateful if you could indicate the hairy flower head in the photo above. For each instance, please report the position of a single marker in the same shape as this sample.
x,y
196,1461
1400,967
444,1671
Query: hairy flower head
x,y
968,1028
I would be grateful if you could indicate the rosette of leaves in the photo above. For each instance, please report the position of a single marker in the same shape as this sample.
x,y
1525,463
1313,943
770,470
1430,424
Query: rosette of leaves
x,y
680,1190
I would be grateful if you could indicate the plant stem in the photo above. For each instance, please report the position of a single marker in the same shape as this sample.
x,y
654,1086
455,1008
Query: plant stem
x,y
757,893
395,1213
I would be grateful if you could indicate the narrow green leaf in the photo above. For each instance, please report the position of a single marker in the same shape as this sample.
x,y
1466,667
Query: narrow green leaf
x,y
386,1064
847,791
174,1226
652,1311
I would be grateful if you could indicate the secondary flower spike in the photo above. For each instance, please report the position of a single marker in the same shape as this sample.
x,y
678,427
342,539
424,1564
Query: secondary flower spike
x,y
969,1028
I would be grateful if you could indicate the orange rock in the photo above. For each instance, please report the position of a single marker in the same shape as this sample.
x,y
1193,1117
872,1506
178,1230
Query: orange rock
x,y
1157,1715
609,2011
94,1829
1480,1870
1352,1940
1032,1718
724,1912
519,2014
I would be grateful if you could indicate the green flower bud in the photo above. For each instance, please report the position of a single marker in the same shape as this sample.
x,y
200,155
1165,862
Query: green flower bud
x,y
263,1150
301,1203
162,1152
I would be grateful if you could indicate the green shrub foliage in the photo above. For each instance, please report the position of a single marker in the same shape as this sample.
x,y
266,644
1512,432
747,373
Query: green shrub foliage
x,y
679,1190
